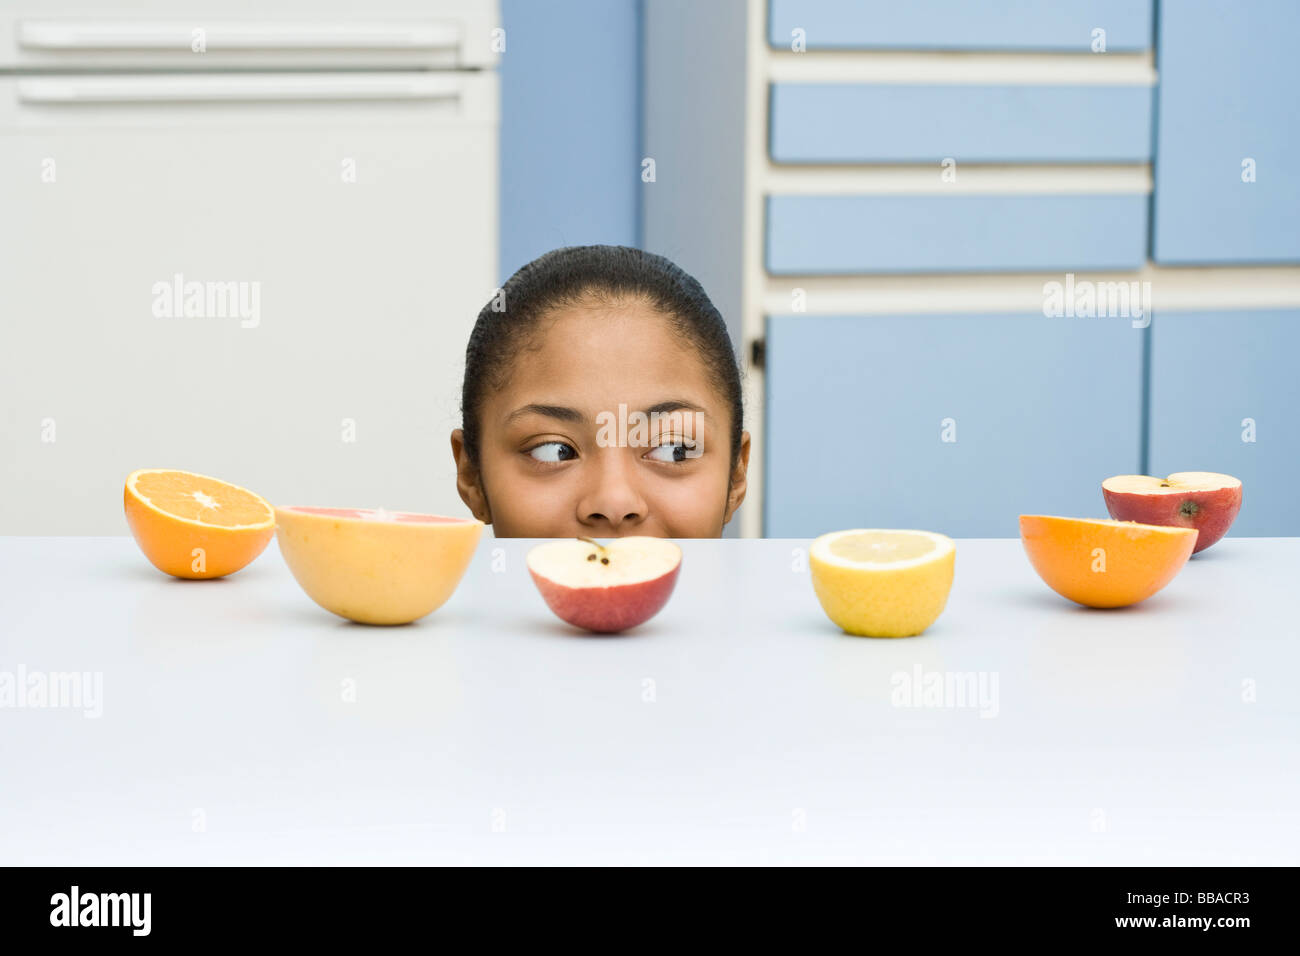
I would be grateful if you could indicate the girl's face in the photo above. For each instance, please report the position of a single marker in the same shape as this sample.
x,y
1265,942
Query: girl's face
x,y
559,458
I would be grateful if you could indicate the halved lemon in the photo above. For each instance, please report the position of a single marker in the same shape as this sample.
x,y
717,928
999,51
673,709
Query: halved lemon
x,y
877,582
195,526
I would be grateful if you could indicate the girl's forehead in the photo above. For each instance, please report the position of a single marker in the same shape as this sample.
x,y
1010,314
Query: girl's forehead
x,y
581,362
596,317
585,399
592,350
555,408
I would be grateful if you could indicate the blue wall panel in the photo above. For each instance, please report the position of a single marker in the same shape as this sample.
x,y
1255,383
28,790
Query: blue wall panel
x,y
1045,409
962,24
911,233
1229,75
882,123
1209,372
570,126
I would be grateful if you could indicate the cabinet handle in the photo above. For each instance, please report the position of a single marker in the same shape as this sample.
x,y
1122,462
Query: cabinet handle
x,y
236,35
237,88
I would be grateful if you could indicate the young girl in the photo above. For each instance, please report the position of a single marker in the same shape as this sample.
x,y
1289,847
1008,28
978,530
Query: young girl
x,y
601,399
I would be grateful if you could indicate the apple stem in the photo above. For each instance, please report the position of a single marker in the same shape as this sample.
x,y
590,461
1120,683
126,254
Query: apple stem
x,y
592,542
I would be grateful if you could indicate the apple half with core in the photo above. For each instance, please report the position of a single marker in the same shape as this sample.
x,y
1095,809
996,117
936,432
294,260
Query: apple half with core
x,y
606,588
1204,500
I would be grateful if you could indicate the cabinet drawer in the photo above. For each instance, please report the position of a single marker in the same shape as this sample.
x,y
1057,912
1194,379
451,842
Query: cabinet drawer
x,y
1042,410
1228,80
844,235
200,35
960,24
1210,371
924,123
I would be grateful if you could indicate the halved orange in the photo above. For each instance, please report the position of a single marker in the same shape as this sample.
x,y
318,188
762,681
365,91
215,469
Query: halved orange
x,y
1100,562
194,526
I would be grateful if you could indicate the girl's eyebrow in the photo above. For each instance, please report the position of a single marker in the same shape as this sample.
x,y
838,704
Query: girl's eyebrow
x,y
566,414
562,412
674,405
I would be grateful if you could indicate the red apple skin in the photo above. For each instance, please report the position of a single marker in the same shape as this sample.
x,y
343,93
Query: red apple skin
x,y
608,610
1212,515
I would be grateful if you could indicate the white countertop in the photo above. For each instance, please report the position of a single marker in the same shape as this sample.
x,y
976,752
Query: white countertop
x,y
738,726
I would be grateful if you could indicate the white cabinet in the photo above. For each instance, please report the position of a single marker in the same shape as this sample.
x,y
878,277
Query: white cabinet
x,y
333,236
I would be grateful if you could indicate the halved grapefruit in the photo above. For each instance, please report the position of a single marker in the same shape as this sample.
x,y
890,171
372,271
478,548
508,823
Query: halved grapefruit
x,y
374,566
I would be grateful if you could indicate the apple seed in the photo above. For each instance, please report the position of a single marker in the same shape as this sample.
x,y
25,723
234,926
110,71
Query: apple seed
x,y
597,544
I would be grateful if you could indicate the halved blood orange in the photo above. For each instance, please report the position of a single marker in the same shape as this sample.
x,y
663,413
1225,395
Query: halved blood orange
x,y
195,526
1100,562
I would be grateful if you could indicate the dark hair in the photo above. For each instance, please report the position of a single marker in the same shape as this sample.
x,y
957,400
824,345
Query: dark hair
x,y
577,274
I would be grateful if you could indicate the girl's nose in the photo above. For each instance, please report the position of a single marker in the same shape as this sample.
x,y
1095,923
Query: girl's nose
x,y
611,499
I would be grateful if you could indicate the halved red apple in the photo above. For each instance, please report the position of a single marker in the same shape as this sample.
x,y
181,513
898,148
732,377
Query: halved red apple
x,y
1204,500
606,588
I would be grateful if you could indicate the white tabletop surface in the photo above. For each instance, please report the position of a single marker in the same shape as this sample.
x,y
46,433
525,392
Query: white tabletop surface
x,y
738,726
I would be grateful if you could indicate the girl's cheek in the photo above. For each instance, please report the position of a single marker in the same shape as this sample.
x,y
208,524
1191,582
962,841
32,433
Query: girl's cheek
x,y
694,493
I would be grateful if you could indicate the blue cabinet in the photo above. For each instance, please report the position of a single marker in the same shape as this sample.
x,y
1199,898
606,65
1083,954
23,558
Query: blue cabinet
x,y
961,24
847,235
972,123
1037,412
1225,396
1229,75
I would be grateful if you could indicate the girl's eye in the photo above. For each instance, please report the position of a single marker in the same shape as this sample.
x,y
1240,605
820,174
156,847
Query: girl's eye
x,y
671,452
553,451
